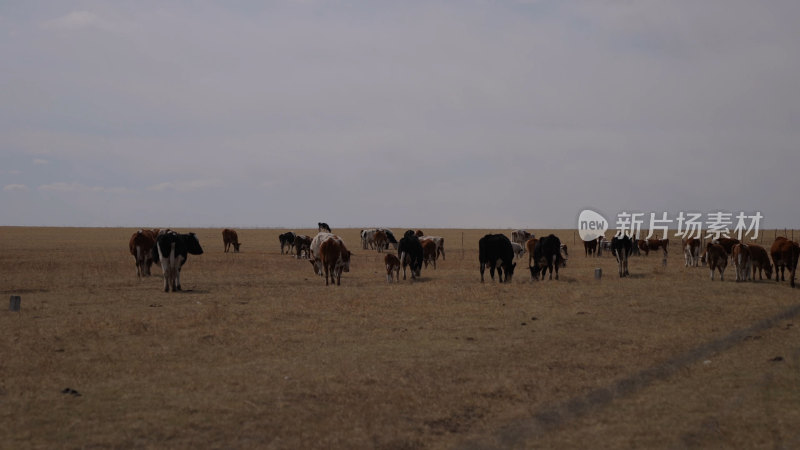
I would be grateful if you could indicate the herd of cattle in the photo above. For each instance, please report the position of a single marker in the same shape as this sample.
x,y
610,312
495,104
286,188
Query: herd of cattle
x,y
330,257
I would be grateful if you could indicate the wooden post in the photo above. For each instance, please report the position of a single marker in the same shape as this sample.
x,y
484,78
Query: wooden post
x,y
14,303
462,245
598,272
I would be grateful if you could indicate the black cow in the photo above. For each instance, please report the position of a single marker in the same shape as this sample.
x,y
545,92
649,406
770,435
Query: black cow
x,y
495,251
322,226
547,256
621,248
172,249
409,250
287,239
390,238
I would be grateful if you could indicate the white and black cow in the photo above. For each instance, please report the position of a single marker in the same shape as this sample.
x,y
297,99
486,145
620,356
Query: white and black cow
x,y
409,250
172,250
496,252
322,226
621,248
287,240
548,254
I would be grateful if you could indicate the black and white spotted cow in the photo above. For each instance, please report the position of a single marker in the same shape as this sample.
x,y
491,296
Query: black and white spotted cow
x,y
172,249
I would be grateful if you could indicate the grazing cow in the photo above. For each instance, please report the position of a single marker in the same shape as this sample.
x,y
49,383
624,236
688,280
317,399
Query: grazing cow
x,y
520,236
335,259
141,247
641,244
316,256
760,261
691,251
530,246
428,252
172,249
381,240
741,261
495,251
409,249
391,240
590,247
230,237
548,254
717,258
322,226
622,247
518,249
392,267
784,256
287,240
302,245
655,244
439,241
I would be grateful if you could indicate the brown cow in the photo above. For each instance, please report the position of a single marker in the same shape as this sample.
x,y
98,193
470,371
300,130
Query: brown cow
x,y
419,233
429,253
230,237
392,267
784,255
716,259
691,251
335,259
380,240
655,244
642,244
760,261
530,244
741,261
726,243
141,247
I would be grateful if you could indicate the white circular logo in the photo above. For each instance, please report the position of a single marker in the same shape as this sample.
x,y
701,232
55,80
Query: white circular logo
x,y
591,225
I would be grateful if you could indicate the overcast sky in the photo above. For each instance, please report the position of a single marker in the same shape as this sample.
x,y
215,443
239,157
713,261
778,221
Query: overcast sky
x,y
495,114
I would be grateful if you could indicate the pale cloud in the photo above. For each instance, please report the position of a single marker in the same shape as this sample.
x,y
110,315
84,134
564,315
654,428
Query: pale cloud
x,y
75,20
185,186
81,188
15,187
40,162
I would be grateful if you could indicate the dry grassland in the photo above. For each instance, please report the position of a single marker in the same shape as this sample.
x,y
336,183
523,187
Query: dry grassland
x,y
258,353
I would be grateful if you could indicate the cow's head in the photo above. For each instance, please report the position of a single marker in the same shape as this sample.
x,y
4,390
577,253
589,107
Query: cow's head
x,y
193,244
236,246
535,269
768,270
317,265
509,268
345,260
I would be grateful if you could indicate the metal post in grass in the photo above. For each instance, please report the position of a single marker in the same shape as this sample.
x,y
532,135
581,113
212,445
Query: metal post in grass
x,y
598,273
14,303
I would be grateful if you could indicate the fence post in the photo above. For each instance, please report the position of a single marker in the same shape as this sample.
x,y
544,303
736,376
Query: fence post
x,y
14,303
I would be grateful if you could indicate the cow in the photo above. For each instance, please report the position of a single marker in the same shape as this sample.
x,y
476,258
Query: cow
x,y
438,240
520,236
760,261
410,252
230,237
622,248
302,245
691,251
530,245
419,233
335,259
726,243
428,252
641,244
381,241
322,226
172,250
368,238
590,247
784,256
391,240
741,261
655,244
287,240
316,243
495,251
548,254
141,246
392,267
519,250
716,258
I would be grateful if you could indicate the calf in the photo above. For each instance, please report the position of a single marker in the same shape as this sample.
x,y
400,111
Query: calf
x,y
230,237
392,267
287,240
622,247
548,254
335,259
302,245
741,261
691,252
760,261
172,250
409,249
530,245
381,241
428,252
716,259
519,250
726,243
141,247
495,251
784,256
438,240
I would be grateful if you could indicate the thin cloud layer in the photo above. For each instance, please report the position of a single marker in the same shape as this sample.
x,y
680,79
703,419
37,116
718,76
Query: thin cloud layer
x,y
430,114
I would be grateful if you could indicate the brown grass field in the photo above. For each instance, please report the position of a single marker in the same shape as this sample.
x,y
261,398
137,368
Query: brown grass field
x,y
257,352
